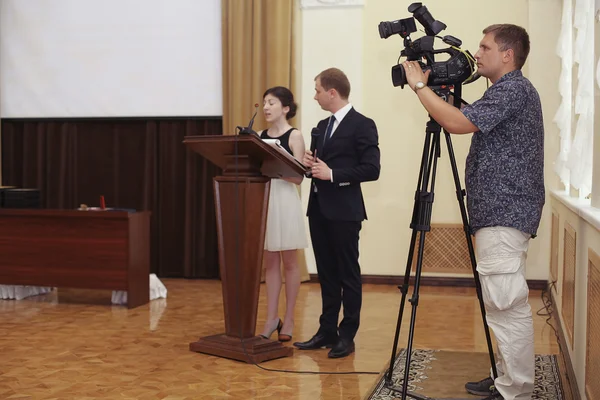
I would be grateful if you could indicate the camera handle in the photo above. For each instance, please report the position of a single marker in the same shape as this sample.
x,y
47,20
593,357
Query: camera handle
x,y
420,224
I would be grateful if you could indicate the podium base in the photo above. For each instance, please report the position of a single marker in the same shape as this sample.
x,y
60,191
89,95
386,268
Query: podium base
x,y
257,349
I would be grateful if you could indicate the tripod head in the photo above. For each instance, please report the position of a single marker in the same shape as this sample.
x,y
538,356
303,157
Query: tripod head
x,y
445,92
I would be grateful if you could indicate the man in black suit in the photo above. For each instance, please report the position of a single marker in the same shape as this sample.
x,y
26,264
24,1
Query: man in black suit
x,y
347,154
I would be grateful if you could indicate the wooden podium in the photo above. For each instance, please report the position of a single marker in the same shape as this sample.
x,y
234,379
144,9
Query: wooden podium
x,y
241,202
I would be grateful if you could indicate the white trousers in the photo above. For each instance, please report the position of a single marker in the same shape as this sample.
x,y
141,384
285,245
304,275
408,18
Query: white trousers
x,y
501,254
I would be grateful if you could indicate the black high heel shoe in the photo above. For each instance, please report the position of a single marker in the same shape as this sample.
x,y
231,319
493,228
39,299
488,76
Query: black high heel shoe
x,y
277,328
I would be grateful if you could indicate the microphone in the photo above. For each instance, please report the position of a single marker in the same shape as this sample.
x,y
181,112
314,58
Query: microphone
x,y
248,130
314,138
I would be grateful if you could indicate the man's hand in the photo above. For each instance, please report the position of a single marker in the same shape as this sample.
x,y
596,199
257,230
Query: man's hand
x,y
414,73
448,116
308,159
320,170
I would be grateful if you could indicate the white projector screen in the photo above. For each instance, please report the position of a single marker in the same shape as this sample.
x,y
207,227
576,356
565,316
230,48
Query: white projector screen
x,y
110,58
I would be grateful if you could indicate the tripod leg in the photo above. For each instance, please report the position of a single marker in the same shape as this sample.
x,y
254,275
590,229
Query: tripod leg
x,y
423,225
419,211
460,195
413,317
404,291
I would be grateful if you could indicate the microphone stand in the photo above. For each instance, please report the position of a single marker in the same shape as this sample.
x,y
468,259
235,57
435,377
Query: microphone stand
x,y
248,130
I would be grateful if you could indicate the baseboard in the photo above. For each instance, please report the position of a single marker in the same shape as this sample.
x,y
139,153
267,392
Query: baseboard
x,y
564,352
534,284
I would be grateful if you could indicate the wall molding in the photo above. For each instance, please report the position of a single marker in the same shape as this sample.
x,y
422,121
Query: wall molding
x,y
331,3
570,372
534,284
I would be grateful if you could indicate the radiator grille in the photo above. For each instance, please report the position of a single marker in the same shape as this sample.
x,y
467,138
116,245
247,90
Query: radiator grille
x,y
554,248
445,250
592,366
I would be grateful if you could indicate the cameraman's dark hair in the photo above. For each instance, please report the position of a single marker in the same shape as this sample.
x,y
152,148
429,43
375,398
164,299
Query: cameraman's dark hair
x,y
286,97
509,36
333,78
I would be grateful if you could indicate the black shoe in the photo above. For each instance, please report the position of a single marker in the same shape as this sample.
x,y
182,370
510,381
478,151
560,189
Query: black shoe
x,y
343,348
316,342
484,387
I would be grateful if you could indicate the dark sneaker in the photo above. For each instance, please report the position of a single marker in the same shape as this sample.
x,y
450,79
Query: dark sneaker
x,y
484,387
494,396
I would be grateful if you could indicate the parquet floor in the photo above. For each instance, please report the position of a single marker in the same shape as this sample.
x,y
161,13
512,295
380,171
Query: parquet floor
x,y
74,345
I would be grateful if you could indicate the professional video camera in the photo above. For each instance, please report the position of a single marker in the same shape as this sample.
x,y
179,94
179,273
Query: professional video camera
x,y
458,69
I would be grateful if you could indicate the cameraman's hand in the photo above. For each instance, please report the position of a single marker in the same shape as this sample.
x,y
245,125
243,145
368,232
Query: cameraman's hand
x,y
414,73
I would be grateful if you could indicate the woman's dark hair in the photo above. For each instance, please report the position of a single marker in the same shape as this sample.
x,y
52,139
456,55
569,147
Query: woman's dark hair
x,y
286,97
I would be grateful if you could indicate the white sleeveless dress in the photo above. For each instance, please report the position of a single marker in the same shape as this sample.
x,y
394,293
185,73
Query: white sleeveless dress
x,y
286,222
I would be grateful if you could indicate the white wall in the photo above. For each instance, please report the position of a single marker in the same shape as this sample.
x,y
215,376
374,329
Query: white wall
x,y
329,37
348,39
544,70
596,172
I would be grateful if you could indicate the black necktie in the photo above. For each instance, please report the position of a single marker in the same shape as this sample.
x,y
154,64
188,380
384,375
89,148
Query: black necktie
x,y
329,128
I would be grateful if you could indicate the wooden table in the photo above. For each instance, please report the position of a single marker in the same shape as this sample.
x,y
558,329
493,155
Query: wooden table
x,y
77,249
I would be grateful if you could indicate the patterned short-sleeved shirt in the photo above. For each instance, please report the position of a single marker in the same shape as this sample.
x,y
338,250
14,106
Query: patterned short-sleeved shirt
x,y
505,166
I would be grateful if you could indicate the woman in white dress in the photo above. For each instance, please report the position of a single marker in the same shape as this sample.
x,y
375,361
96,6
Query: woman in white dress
x,y
286,231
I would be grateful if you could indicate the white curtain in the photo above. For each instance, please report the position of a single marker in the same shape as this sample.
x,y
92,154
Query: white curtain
x,y
564,50
580,161
574,161
598,67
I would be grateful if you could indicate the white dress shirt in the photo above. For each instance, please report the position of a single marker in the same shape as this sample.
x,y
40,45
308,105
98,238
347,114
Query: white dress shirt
x,y
338,117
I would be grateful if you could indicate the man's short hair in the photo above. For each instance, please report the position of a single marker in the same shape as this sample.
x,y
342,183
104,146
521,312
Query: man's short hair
x,y
333,78
509,36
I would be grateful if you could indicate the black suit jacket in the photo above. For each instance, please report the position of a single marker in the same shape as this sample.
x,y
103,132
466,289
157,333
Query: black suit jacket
x,y
353,155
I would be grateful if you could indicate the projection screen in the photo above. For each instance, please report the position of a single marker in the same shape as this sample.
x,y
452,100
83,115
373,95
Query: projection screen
x,y
110,58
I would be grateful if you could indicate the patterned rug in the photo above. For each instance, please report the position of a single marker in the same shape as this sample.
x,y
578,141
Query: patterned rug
x,y
442,375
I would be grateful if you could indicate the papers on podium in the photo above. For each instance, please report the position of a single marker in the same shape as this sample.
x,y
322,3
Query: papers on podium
x,y
276,144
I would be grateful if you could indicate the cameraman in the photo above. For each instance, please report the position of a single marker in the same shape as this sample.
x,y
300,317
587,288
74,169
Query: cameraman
x,y
505,195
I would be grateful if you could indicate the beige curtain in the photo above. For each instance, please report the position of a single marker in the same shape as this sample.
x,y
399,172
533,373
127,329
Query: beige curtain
x,y
258,53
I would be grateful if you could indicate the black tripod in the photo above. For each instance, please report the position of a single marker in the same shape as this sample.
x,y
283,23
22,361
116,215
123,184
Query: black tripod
x,y
421,223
